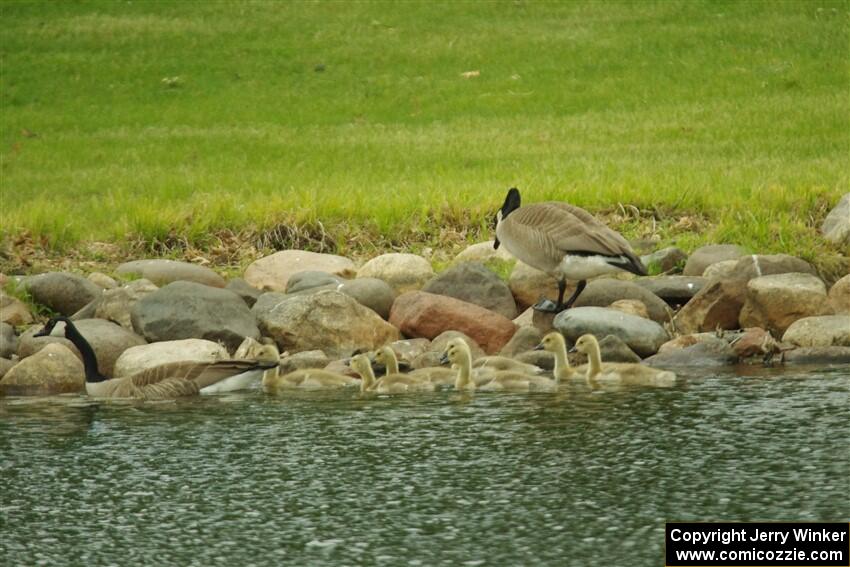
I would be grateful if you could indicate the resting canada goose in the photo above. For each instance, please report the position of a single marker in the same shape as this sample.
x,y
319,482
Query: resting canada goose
x,y
457,352
437,375
163,382
564,241
628,373
554,342
388,384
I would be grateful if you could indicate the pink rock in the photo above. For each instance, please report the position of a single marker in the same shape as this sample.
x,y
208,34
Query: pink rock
x,y
422,314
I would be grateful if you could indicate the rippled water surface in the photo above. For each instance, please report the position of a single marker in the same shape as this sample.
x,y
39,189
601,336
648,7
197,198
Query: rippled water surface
x,y
578,478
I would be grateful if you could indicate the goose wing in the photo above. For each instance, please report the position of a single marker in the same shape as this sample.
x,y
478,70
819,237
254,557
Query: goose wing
x,y
556,228
202,374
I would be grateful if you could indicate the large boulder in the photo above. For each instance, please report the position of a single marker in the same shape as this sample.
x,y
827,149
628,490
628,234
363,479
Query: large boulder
x,y
718,304
483,252
674,290
52,370
705,256
836,225
311,280
422,314
326,320
823,331
63,292
14,311
116,304
107,339
604,292
8,341
703,354
373,293
243,289
138,358
188,310
163,272
839,296
818,355
643,336
5,366
272,273
530,284
473,283
404,272
526,338
774,302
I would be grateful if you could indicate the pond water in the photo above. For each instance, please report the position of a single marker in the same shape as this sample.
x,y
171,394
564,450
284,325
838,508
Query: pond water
x,y
576,478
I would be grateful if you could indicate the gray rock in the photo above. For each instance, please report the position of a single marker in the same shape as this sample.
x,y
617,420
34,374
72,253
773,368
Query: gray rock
x,y
87,312
818,355
373,293
408,349
107,339
604,292
162,272
613,349
404,272
272,273
440,342
52,370
300,360
824,331
246,291
664,260
757,265
526,338
641,335
541,358
63,292
427,359
303,281
138,358
187,310
116,304
674,290
705,256
473,283
5,366
326,320
8,341
836,225
703,354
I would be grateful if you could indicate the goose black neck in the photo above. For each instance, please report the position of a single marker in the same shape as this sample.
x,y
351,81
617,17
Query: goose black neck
x,y
87,352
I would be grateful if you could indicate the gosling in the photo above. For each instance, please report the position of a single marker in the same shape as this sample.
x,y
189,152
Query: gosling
x,y
457,352
625,373
388,384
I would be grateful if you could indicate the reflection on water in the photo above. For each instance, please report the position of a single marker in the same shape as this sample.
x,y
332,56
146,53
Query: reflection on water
x,y
436,479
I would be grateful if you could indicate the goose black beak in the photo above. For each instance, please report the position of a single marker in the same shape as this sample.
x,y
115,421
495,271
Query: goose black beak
x,y
496,244
42,333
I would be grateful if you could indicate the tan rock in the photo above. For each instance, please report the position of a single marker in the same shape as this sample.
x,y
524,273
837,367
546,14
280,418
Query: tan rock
x,y
273,272
482,252
722,270
823,331
774,302
839,296
530,284
163,272
14,311
404,272
421,314
631,306
325,320
138,358
718,304
703,257
52,370
102,280
684,341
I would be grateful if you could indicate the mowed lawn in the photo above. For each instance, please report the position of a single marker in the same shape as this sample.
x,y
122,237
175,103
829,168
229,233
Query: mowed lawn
x,y
122,121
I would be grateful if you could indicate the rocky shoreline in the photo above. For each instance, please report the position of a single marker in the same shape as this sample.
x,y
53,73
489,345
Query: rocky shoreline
x,y
718,306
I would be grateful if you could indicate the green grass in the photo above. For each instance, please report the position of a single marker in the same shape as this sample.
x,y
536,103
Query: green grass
x,y
355,115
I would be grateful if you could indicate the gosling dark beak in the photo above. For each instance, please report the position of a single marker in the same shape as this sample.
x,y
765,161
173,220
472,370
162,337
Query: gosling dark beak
x,y
538,347
574,349
444,359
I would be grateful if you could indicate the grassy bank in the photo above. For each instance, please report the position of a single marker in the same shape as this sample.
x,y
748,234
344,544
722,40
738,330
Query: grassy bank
x,y
183,124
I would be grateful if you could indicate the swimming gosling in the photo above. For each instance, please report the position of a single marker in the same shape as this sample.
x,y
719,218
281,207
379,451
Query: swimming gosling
x,y
627,373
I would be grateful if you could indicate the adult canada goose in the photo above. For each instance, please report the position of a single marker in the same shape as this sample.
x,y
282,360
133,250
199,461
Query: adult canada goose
x,y
554,342
388,384
437,375
458,353
166,381
564,241
627,373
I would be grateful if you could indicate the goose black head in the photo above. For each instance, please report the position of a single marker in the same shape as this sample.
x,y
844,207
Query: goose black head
x,y
512,202
48,328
